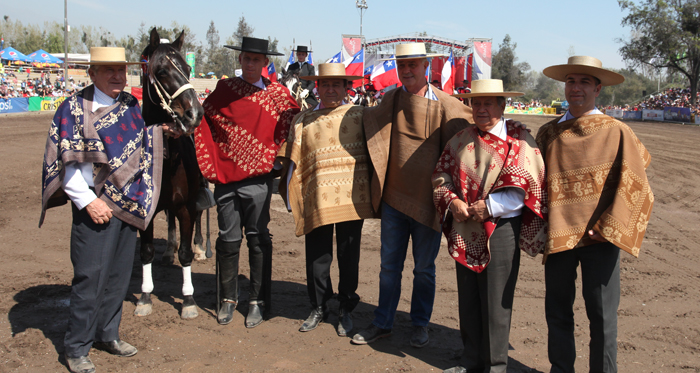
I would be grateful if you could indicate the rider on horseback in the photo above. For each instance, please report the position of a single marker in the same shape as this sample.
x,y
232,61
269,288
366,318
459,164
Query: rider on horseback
x,y
303,68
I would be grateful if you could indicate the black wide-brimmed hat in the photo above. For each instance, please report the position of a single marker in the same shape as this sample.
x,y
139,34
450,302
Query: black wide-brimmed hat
x,y
254,45
302,48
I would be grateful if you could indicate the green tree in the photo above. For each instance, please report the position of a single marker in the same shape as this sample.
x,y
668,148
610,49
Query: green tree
x,y
629,92
505,66
666,35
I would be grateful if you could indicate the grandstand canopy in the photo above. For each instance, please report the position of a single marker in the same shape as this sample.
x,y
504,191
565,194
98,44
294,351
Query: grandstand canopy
x,y
436,44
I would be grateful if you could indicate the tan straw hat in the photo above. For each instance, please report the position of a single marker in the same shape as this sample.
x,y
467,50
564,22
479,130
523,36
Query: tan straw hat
x,y
108,56
331,71
584,65
488,87
410,51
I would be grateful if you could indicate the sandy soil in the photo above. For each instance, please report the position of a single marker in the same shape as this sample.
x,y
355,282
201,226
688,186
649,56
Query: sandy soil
x,y
659,328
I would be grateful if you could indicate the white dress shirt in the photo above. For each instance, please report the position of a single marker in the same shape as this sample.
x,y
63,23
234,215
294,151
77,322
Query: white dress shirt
x,y
568,115
506,202
78,177
429,94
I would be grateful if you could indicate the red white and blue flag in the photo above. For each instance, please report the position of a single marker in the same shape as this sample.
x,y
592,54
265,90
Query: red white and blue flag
x,y
289,61
448,74
356,66
270,72
385,74
338,58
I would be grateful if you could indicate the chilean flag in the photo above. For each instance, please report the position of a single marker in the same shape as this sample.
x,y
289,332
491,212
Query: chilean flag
x,y
336,59
385,74
310,60
289,61
356,66
448,74
270,72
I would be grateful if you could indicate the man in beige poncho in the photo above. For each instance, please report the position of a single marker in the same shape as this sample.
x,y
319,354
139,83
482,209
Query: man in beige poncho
x,y
599,202
325,184
405,137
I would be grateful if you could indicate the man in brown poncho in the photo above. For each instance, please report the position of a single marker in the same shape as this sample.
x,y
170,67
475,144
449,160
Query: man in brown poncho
x,y
599,202
405,137
325,184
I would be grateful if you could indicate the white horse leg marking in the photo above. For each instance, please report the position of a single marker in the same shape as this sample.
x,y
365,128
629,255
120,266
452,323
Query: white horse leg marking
x,y
187,288
147,284
189,307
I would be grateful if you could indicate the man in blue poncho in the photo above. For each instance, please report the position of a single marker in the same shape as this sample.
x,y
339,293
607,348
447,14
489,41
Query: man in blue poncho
x,y
101,156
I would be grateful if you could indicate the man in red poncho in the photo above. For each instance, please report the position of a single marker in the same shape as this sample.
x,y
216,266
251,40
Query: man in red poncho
x,y
246,120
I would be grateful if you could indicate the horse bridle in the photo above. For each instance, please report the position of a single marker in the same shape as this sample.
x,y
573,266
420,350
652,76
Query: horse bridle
x,y
163,94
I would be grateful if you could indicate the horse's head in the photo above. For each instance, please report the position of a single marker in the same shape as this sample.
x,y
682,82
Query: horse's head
x,y
168,95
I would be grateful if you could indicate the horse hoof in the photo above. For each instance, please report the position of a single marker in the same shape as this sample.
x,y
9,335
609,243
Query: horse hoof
x,y
199,254
143,309
189,312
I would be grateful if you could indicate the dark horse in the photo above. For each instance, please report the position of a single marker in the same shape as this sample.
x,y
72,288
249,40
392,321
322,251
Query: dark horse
x,y
169,97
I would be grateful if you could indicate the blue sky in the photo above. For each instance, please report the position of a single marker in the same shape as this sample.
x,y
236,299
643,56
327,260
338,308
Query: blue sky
x,y
544,31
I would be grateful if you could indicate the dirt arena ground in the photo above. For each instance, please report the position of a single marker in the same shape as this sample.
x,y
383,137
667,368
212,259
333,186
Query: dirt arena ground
x,y
659,318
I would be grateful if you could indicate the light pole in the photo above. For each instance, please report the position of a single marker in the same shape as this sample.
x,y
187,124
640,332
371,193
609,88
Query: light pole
x,y
362,6
65,44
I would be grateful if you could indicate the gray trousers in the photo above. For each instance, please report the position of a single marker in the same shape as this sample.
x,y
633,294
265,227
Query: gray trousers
x,y
242,205
102,257
486,301
246,205
600,277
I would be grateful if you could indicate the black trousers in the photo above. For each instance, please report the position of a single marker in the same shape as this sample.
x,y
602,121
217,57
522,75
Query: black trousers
x,y
102,257
600,277
319,255
486,301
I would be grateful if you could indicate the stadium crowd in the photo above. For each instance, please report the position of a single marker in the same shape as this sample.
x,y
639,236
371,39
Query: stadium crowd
x,y
672,97
13,87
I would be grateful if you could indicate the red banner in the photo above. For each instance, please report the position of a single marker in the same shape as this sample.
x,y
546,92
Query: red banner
x,y
459,73
137,92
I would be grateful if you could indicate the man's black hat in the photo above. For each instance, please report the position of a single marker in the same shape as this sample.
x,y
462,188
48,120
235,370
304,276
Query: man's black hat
x,y
254,45
302,48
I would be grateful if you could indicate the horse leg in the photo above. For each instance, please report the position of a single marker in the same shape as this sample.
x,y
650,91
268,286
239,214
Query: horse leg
x,y
168,257
144,306
186,216
198,239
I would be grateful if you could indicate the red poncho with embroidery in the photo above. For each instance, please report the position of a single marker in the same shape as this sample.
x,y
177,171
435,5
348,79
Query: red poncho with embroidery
x,y
475,164
242,129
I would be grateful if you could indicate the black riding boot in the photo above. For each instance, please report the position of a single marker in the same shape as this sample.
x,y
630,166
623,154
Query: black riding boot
x,y
227,254
260,257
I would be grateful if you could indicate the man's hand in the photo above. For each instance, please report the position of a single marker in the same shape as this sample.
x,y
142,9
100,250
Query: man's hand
x,y
596,236
518,124
479,211
171,130
99,212
458,208
304,93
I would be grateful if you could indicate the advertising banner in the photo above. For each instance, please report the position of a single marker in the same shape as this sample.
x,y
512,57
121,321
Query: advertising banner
x,y
657,115
190,61
35,103
677,114
13,105
351,45
51,103
482,60
615,113
632,115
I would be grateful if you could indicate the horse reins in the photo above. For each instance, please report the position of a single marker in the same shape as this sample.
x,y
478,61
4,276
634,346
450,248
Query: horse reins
x,y
163,94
